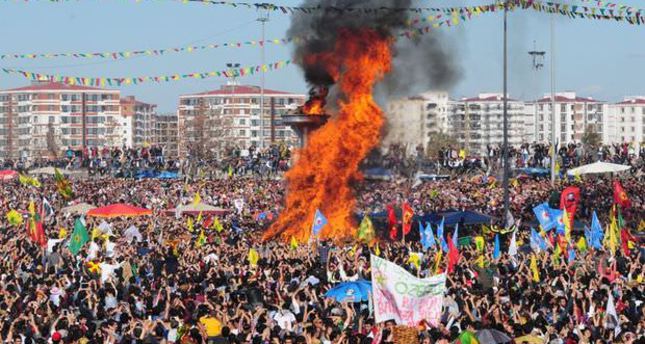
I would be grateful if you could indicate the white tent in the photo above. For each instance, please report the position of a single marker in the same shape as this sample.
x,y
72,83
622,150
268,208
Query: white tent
x,y
598,167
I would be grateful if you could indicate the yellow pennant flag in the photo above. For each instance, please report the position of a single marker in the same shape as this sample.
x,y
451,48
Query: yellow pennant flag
x,y
93,267
201,239
294,243
437,261
577,176
14,218
415,260
217,225
556,254
189,224
611,240
199,218
253,257
534,269
352,252
582,244
567,225
197,199
377,250
62,233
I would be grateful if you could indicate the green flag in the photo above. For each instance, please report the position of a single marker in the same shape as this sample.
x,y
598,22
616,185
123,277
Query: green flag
x,y
79,237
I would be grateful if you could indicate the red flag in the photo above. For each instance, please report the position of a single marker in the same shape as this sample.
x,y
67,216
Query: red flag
x,y
453,256
408,213
392,222
625,238
35,226
569,200
620,196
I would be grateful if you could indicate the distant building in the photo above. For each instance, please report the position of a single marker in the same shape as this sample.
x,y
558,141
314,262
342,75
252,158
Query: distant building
x,y
214,121
413,120
142,117
573,116
167,134
43,119
628,119
478,122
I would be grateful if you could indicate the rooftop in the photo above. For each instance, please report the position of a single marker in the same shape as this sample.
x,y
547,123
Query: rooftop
x,y
240,89
563,99
487,98
56,86
633,101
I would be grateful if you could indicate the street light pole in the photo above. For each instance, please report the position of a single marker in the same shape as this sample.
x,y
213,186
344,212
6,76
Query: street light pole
x,y
263,19
553,126
505,116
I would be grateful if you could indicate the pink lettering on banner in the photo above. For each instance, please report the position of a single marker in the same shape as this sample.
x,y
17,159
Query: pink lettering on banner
x,y
430,309
385,302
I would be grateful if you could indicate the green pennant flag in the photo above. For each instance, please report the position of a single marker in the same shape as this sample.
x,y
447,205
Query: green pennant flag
x,y
79,237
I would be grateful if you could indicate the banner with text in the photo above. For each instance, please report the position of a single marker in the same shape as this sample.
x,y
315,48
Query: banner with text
x,y
404,298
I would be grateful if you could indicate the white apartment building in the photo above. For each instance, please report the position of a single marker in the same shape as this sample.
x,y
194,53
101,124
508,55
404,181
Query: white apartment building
x,y
628,120
478,122
43,119
411,121
142,117
230,117
573,115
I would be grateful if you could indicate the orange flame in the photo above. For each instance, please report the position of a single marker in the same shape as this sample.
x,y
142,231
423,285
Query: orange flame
x,y
329,163
314,106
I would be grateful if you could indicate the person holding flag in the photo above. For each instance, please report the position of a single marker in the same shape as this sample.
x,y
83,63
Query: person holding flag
x,y
320,221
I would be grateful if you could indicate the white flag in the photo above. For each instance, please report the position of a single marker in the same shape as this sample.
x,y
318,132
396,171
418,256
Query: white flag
x,y
512,248
404,298
611,319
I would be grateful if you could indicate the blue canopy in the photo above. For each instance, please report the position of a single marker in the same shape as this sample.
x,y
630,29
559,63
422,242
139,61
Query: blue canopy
x,y
156,174
534,171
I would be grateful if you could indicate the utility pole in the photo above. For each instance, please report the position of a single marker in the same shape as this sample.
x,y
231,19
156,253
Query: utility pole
x,y
505,116
263,19
83,120
553,126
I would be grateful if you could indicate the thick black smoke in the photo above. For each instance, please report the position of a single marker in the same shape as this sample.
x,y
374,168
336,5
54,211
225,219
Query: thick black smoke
x,y
418,64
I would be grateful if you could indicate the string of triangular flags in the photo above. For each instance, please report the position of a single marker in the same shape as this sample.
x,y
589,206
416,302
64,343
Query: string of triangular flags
x,y
107,81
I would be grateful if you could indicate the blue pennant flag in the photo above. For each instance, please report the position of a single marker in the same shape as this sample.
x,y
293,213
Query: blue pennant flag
x,y
543,213
320,221
597,233
537,241
442,239
455,235
429,237
497,251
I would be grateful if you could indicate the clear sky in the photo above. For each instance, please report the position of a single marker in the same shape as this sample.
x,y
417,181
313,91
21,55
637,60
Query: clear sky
x,y
602,59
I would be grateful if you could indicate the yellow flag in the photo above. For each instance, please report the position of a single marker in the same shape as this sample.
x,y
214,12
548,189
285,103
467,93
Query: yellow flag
x,y
437,261
556,254
201,239
611,240
96,233
14,218
581,244
352,252
577,176
567,225
415,260
253,257
534,269
480,243
557,169
217,225
197,199
62,233
189,224
93,267
294,243
377,250
480,261
199,218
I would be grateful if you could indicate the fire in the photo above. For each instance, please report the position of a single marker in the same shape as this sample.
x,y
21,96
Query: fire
x,y
328,164
314,106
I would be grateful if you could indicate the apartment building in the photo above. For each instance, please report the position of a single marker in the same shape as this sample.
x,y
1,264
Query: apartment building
x,y
44,118
214,121
573,115
478,122
142,117
167,134
628,120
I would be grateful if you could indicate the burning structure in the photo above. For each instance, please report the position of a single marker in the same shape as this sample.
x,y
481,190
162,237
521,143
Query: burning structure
x,y
343,57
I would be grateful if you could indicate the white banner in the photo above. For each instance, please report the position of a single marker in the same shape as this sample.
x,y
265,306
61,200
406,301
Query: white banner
x,y
400,296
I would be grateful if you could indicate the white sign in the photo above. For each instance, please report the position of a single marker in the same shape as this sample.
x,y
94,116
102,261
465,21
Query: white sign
x,y
406,299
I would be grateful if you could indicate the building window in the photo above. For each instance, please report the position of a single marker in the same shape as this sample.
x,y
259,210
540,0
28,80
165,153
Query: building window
x,y
242,132
242,121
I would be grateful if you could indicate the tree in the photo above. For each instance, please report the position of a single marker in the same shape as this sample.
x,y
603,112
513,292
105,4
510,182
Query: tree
x,y
198,135
590,138
437,141
52,145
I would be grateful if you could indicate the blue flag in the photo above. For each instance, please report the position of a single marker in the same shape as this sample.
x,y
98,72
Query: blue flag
x,y
497,251
544,216
572,255
429,237
442,239
422,235
597,233
455,236
320,221
537,241
588,236
558,216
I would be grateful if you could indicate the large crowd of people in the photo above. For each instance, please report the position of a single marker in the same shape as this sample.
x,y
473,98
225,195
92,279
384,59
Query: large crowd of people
x,y
171,282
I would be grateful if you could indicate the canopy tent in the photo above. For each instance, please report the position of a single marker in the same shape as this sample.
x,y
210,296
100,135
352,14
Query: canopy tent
x,y
598,167
378,173
78,209
8,175
196,209
52,171
118,210
534,171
